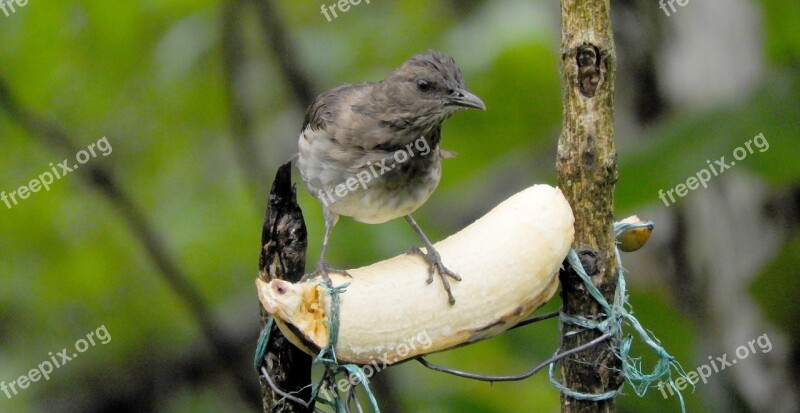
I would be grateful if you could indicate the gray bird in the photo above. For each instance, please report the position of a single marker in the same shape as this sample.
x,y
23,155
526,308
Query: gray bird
x,y
371,151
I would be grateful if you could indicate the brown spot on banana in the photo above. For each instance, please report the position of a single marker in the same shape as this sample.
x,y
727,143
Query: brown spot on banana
x,y
508,261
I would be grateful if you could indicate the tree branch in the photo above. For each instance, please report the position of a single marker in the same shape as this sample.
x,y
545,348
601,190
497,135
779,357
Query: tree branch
x,y
241,116
587,173
283,255
278,40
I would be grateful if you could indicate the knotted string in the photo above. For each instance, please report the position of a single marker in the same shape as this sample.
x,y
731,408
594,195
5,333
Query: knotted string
x,y
326,357
611,320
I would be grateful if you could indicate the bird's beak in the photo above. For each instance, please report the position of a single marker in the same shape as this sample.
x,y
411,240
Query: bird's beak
x,y
466,99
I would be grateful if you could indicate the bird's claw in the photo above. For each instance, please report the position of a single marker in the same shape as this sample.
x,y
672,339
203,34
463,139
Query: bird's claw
x,y
322,271
435,264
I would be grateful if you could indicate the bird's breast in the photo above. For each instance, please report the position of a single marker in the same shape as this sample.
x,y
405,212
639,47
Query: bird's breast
x,y
387,191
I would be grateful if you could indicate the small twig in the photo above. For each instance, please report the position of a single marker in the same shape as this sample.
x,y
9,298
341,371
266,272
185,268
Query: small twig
x,y
351,395
537,318
348,396
358,405
282,393
522,376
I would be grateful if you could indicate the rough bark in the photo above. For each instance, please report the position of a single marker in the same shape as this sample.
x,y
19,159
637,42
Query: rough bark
x,y
283,252
587,172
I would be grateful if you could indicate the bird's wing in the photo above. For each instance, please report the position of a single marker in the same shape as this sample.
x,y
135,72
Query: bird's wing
x,y
343,130
328,154
321,111
328,106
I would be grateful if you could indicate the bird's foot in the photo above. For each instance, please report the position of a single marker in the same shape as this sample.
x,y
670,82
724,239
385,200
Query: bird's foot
x,y
323,269
435,264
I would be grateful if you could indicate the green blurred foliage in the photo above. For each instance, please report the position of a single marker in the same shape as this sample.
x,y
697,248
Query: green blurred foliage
x,y
777,289
149,76
783,35
685,143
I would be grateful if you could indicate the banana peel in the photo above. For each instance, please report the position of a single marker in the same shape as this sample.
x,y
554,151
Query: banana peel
x,y
508,261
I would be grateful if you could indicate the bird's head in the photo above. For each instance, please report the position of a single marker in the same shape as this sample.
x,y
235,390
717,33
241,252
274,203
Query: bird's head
x,y
427,89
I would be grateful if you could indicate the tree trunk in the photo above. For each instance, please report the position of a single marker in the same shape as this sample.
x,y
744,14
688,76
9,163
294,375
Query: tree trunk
x,y
283,253
587,172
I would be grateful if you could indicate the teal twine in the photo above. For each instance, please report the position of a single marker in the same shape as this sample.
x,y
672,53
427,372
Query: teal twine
x,y
333,324
326,355
612,319
263,339
332,366
354,369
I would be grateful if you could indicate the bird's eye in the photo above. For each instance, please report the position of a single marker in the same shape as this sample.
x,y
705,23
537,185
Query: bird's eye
x,y
424,85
